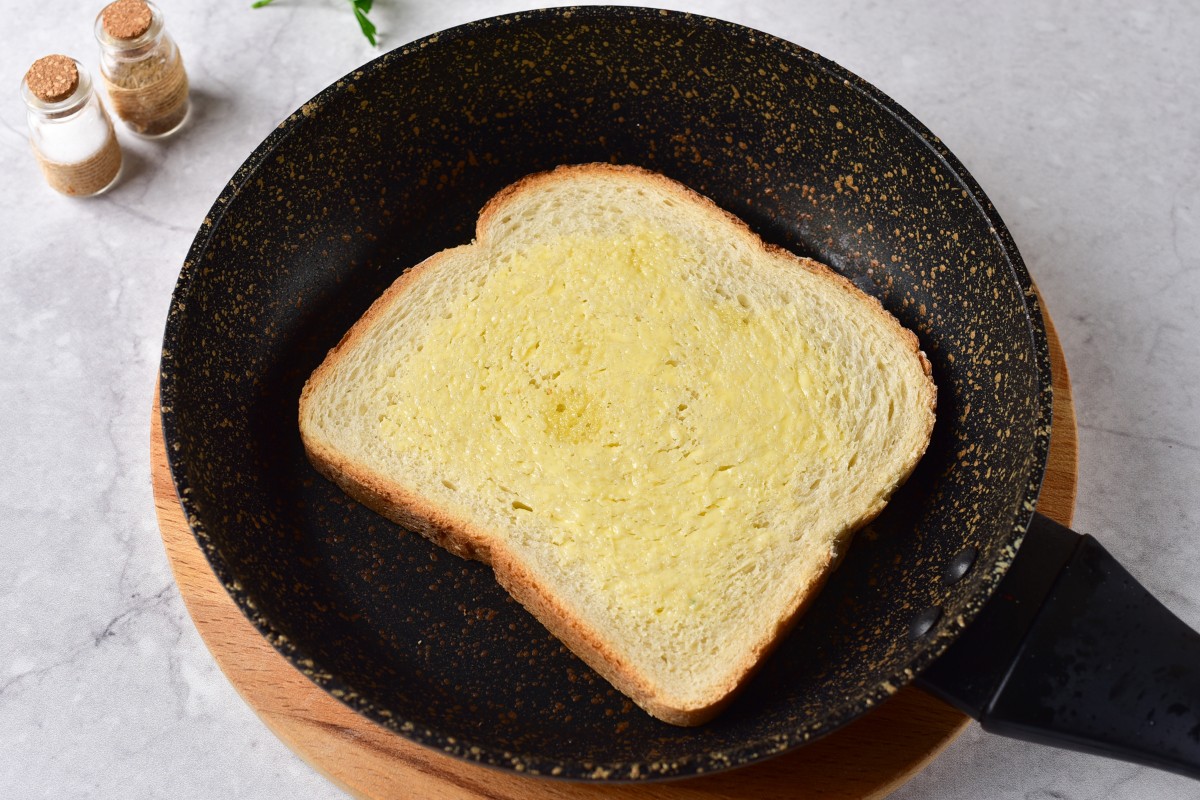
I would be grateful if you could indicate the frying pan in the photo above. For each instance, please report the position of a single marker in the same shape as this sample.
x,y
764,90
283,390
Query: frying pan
x,y
393,162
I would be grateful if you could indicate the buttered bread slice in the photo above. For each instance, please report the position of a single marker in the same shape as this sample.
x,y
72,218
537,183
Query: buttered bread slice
x,y
659,431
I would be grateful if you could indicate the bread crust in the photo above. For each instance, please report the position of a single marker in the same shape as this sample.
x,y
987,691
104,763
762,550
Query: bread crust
x,y
411,510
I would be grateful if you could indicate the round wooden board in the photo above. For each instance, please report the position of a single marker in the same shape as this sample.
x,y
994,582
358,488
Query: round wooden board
x,y
867,759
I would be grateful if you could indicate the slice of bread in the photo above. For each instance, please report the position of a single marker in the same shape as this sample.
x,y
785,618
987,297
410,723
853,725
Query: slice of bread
x,y
659,431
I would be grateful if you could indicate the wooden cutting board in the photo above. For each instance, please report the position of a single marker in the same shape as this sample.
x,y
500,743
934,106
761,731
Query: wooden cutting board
x,y
867,759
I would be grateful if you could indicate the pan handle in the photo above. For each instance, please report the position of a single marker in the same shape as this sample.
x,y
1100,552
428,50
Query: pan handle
x,y
1072,651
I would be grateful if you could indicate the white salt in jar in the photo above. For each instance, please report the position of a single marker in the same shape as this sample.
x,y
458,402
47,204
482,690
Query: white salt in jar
x,y
71,134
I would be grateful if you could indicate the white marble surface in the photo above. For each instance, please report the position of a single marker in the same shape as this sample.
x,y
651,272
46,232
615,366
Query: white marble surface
x,y
1080,119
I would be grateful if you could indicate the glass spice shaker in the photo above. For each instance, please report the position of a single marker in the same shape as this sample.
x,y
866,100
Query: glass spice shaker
x,y
71,134
141,68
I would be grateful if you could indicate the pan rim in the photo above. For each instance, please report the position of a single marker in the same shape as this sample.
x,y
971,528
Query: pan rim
x,y
532,764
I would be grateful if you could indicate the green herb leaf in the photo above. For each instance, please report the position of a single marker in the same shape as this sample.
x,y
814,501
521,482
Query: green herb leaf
x,y
361,9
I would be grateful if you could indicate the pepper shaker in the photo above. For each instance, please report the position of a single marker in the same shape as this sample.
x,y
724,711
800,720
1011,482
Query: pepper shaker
x,y
70,132
142,68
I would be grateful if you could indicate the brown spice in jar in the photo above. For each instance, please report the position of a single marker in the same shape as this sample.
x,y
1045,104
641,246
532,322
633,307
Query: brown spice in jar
x,y
151,96
142,69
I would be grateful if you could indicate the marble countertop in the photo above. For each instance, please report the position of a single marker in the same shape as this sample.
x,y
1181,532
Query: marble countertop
x,y
1080,119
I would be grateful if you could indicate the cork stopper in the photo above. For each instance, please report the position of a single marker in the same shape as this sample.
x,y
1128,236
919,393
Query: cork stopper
x,y
126,19
53,79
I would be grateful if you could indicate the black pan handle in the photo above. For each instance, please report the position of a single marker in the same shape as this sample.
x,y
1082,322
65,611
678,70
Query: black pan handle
x,y
1072,651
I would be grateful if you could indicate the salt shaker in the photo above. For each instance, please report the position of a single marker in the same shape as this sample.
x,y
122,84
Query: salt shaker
x,y
71,135
141,68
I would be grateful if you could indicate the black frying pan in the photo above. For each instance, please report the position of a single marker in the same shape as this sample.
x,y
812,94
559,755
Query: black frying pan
x,y
393,163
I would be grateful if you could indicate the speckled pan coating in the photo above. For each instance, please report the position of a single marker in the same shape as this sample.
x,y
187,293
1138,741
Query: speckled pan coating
x,y
393,163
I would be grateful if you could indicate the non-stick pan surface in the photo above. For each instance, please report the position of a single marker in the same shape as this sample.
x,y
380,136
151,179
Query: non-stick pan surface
x,y
393,163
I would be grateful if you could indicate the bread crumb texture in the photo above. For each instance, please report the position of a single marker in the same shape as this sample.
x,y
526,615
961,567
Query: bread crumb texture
x,y
671,426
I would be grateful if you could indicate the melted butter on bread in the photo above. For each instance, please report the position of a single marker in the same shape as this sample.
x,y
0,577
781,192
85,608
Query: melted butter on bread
x,y
649,423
